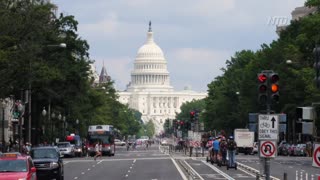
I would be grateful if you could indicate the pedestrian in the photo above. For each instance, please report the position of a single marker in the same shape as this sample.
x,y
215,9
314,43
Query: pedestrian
x,y
216,148
232,146
309,148
97,149
128,145
146,144
223,150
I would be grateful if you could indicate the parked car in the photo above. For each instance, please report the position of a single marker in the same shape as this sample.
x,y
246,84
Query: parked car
x,y
291,150
300,150
66,149
118,142
16,166
48,161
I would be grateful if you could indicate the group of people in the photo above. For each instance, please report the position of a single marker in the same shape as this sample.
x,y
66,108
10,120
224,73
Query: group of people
x,y
145,143
221,147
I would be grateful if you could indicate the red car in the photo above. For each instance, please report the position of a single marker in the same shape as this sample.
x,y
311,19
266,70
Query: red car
x,y
14,166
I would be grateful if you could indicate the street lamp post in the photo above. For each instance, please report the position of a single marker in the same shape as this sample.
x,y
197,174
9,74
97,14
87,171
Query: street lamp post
x,y
53,115
77,122
3,119
59,118
20,109
61,45
64,126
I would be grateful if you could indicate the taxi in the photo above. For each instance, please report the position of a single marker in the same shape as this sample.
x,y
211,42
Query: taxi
x,y
14,166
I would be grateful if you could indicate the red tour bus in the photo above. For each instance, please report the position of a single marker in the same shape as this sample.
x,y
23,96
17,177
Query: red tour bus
x,y
103,134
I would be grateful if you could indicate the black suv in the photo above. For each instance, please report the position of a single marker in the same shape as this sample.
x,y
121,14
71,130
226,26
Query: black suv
x,y
48,161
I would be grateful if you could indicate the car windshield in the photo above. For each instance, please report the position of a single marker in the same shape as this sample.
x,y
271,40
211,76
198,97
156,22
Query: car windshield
x,y
62,145
13,166
44,153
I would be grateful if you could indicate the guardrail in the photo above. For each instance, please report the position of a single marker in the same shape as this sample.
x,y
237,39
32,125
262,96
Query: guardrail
x,y
256,172
191,173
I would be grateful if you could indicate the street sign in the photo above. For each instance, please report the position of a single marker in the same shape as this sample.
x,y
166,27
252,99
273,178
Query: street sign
x,y
268,127
268,149
316,156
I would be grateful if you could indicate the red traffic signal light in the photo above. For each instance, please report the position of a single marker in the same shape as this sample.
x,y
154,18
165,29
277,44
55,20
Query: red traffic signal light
x,y
262,78
262,88
192,113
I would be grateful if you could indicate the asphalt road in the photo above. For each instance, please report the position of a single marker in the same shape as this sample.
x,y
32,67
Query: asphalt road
x,y
137,165
152,164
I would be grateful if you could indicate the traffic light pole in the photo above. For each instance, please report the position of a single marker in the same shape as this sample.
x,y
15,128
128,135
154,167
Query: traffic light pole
x,y
267,160
269,81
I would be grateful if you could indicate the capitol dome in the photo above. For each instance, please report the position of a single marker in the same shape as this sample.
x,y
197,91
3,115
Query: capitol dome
x,y
150,49
150,68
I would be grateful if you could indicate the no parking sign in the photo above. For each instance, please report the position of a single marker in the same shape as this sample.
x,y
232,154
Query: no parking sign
x,y
316,156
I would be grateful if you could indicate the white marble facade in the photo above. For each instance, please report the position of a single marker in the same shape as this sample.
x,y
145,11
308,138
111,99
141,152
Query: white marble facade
x,y
150,91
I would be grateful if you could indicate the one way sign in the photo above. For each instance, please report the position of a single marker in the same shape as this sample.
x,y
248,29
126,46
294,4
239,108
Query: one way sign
x,y
268,127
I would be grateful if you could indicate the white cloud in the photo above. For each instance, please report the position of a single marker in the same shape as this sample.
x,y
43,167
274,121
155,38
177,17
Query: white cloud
x,y
106,26
210,8
199,56
195,66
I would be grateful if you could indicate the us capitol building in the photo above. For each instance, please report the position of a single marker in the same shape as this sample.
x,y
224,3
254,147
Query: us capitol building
x,y
150,91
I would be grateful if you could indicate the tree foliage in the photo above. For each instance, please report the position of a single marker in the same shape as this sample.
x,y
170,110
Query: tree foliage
x,y
233,95
30,56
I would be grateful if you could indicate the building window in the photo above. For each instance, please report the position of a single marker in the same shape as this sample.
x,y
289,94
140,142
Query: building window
x,y
160,111
154,111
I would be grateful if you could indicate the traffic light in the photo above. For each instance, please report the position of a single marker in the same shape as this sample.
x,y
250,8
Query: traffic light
x,y
192,115
196,115
174,124
316,65
263,88
274,87
181,125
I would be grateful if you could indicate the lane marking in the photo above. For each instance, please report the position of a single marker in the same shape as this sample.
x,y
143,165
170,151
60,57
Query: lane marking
x,y
134,160
99,162
66,162
218,170
82,172
75,177
179,170
193,170
253,175
89,169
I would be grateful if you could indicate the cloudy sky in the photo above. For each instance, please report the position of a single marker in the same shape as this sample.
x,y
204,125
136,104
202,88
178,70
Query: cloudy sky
x,y
196,36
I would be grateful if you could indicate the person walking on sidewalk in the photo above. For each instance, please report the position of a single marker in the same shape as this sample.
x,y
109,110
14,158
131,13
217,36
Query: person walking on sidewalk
x,y
232,146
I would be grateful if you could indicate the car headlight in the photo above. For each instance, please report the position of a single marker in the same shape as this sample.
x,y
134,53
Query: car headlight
x,y
109,147
54,165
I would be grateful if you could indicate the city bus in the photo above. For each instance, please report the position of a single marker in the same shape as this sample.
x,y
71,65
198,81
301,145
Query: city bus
x,y
103,134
